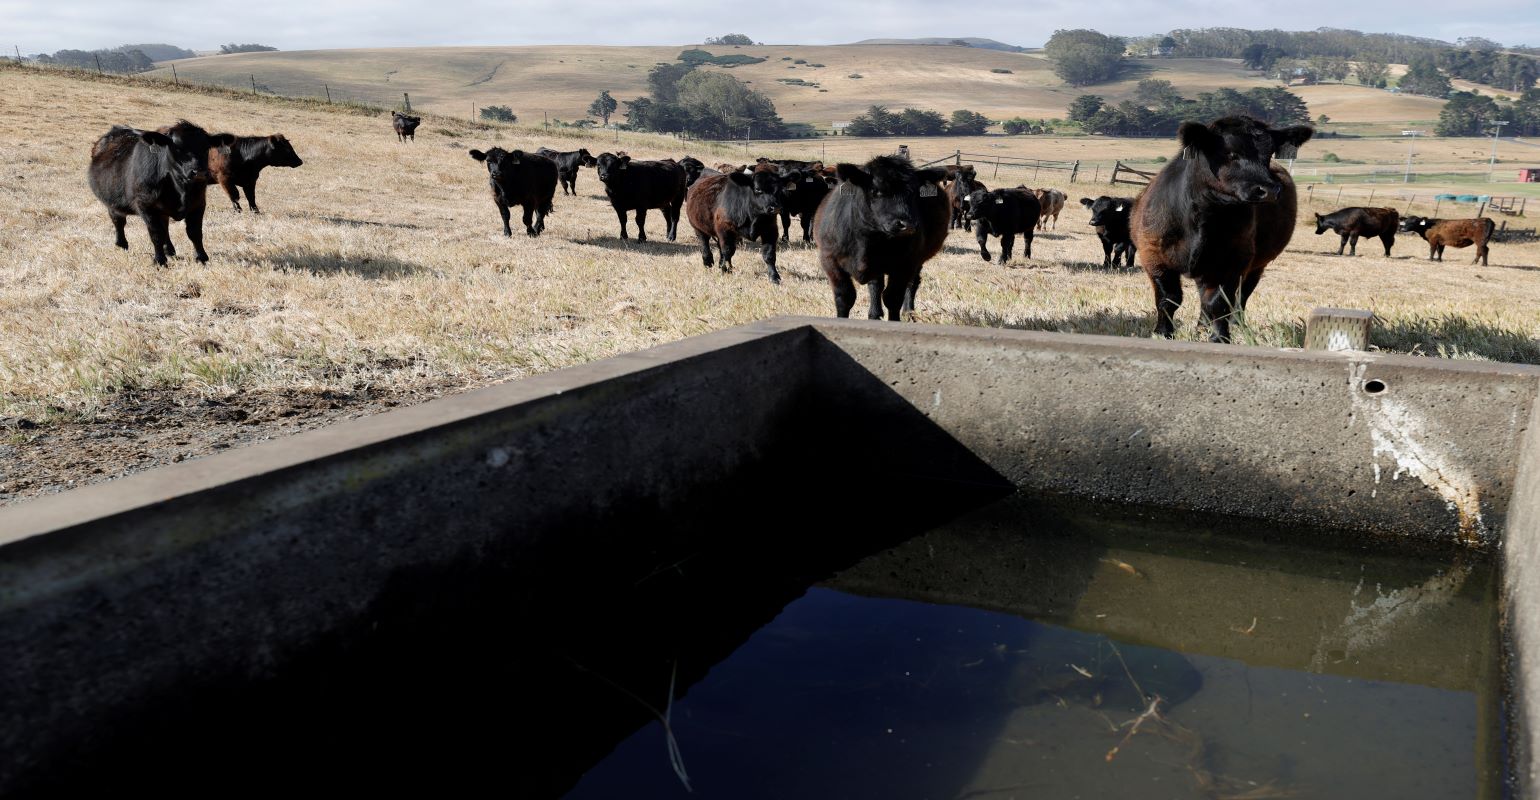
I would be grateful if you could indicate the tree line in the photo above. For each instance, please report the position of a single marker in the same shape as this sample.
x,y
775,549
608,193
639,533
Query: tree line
x,y
879,121
1471,114
712,105
1158,108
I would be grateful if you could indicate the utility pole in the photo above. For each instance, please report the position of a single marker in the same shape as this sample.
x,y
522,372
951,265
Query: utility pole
x,y
1497,129
1411,150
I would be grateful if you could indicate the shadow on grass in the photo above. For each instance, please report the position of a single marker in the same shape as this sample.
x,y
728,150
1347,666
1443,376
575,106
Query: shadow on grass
x,y
1455,336
1106,322
360,223
374,266
653,247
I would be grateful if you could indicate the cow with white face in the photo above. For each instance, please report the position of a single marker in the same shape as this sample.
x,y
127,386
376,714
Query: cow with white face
x,y
1109,216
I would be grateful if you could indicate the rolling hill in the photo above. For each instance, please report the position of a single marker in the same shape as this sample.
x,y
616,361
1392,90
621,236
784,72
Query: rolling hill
x,y
560,81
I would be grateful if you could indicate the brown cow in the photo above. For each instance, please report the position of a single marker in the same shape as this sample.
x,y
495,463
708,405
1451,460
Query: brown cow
x,y
1219,212
237,166
733,206
1441,233
1052,202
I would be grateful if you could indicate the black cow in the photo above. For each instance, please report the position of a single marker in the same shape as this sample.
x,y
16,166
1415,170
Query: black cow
x,y
641,185
804,190
1109,216
236,166
158,176
405,125
961,186
1004,213
1220,212
522,179
1353,222
726,208
878,227
693,169
567,164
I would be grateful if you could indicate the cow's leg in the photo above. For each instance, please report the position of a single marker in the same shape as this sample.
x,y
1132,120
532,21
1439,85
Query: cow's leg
x,y
118,221
893,297
621,213
574,183
705,248
1107,257
1343,245
195,234
228,184
911,292
156,226
1481,254
1432,252
728,237
983,239
1249,284
529,220
672,214
1352,245
1219,306
844,292
767,250
1168,298
1026,244
251,196
1388,240
540,212
1007,243
807,227
874,297
1130,251
502,211
641,225
785,227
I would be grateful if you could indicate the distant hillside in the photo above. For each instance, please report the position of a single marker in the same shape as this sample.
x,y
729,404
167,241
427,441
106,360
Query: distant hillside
x,y
833,82
973,41
158,52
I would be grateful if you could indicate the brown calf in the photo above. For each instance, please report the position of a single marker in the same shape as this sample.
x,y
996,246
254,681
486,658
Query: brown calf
x,y
1052,202
1441,233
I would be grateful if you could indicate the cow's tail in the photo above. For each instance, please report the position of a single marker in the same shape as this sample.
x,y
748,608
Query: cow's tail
x,y
1491,227
548,208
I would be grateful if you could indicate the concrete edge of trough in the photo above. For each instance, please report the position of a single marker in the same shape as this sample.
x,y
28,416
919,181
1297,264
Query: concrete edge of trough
x,y
74,507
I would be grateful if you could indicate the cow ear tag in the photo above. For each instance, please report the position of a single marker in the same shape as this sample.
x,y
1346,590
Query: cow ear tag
x,y
999,201
928,190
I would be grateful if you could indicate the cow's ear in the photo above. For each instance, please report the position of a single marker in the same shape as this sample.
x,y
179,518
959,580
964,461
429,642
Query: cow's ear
x,y
932,175
1296,136
741,178
1195,137
850,173
1087,202
223,139
513,158
156,139
624,161
478,155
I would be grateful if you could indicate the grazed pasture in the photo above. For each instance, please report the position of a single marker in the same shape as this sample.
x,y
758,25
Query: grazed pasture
x,y
377,274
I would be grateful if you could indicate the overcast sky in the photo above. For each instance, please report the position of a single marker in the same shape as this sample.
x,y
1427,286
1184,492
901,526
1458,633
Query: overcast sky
x,y
48,25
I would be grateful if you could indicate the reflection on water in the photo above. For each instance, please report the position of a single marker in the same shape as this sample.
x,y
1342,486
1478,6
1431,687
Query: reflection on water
x,y
1035,649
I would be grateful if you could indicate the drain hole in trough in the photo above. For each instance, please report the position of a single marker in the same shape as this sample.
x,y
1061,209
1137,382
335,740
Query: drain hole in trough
x,y
1374,386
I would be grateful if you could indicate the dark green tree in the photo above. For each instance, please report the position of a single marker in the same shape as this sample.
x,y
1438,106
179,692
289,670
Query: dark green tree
x,y
499,114
1084,107
603,106
1083,57
967,123
1466,114
1422,77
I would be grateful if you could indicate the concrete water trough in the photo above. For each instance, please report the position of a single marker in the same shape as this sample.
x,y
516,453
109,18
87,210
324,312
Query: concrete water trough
x,y
172,627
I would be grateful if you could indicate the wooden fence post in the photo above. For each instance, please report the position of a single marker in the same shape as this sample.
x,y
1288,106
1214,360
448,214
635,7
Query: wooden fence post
x,y
253,83
98,63
174,78
328,93
406,100
1075,170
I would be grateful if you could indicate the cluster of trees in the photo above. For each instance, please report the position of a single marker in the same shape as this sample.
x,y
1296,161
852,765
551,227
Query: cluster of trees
x,y
499,114
731,39
1471,114
1158,109
1422,77
108,60
158,52
879,121
1083,57
711,105
1504,70
226,49
696,57
1473,59
1020,125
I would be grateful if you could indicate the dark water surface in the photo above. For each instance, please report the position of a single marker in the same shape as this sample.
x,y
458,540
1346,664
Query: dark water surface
x,y
1037,648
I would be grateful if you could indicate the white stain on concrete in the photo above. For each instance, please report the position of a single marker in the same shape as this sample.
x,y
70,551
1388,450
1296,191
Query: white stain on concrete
x,y
1399,434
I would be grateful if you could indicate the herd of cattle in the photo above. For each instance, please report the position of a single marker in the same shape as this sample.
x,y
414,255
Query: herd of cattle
x,y
1218,214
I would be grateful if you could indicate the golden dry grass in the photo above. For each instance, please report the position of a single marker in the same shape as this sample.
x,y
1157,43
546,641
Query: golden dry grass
x,y
562,80
382,264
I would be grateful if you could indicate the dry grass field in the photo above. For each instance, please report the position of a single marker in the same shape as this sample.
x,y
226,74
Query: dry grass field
x,y
378,275
562,81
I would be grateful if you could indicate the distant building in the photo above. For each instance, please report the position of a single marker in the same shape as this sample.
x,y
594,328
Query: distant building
x,y
1529,175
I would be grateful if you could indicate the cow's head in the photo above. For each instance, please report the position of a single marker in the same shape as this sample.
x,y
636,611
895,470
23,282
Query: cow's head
x,y
283,154
805,181
185,147
765,190
1239,151
1415,224
1107,210
612,167
499,161
1320,225
979,205
406,121
891,188
586,159
693,167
